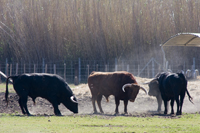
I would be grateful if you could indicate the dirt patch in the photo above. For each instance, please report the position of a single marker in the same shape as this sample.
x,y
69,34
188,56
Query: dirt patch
x,y
143,106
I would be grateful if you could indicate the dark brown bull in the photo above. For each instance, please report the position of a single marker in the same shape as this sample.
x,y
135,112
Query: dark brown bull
x,y
122,85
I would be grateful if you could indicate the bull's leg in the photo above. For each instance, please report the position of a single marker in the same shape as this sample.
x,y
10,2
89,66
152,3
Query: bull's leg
x,y
117,105
125,106
54,102
24,104
93,104
159,100
177,103
21,106
56,110
182,96
166,108
172,106
99,97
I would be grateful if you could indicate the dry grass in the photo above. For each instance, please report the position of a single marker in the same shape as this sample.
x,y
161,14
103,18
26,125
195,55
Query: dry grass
x,y
66,29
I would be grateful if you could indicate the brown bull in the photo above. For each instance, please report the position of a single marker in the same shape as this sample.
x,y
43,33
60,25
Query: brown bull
x,y
122,85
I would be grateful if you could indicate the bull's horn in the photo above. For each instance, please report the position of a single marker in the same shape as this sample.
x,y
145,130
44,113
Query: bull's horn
x,y
143,89
126,85
149,81
146,83
72,99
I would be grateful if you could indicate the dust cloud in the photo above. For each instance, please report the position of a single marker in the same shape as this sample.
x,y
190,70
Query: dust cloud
x,y
143,104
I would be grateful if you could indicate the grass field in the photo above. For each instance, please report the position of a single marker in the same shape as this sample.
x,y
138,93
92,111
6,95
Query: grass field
x,y
99,123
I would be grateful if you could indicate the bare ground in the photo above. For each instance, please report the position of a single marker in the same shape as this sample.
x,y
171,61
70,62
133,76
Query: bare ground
x,y
144,105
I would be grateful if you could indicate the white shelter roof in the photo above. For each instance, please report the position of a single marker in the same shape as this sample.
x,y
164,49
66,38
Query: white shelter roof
x,y
184,39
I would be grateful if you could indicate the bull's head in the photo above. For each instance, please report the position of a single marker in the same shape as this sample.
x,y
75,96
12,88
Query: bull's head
x,y
132,90
71,103
153,87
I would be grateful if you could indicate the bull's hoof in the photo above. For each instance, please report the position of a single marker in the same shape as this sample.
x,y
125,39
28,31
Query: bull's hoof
x,y
116,113
158,110
95,112
102,112
125,113
178,113
58,114
173,115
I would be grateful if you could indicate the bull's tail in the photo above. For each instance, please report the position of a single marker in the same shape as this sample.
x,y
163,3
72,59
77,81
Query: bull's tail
x,y
190,98
2,74
6,94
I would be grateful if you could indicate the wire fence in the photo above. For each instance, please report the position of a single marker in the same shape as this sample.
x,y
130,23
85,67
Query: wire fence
x,y
77,71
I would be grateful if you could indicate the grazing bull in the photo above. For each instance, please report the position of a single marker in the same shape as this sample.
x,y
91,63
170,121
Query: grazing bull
x,y
122,85
170,86
49,86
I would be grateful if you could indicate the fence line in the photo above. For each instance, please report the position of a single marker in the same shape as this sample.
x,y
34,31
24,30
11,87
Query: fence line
x,y
78,71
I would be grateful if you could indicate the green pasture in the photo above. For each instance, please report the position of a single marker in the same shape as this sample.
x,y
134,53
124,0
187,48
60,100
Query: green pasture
x,y
99,123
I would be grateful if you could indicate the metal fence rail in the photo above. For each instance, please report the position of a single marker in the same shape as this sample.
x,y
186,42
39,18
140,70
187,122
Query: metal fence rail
x,y
77,71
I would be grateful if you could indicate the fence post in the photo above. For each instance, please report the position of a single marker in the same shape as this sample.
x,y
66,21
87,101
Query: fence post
x,y
88,68
65,71
7,69
76,74
16,68
34,68
43,65
96,67
29,67
106,68
10,69
24,68
54,68
71,71
148,73
45,68
115,64
193,64
127,68
153,71
138,70
123,65
79,69
166,66
6,66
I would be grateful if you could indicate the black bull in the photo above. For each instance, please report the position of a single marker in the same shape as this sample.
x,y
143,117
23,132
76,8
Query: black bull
x,y
49,86
172,86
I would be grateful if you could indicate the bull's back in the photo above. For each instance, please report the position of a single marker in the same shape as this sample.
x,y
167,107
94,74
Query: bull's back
x,y
109,83
173,84
39,84
101,82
